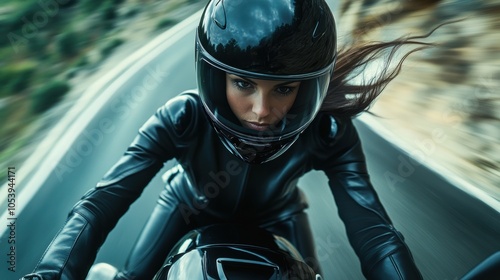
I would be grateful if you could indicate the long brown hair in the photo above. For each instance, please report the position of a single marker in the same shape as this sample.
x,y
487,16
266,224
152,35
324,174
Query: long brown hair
x,y
346,98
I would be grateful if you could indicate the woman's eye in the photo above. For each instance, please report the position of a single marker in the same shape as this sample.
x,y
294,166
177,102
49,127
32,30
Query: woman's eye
x,y
242,84
284,90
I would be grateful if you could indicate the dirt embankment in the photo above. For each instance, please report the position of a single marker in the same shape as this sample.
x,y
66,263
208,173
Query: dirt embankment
x,y
446,101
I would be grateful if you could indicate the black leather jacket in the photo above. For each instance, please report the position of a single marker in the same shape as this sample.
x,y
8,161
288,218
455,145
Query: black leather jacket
x,y
212,180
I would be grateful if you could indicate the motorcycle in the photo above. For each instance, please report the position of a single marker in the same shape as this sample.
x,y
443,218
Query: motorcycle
x,y
227,252
241,252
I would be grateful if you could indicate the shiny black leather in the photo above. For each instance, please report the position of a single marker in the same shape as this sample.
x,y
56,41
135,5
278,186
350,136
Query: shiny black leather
x,y
211,185
258,254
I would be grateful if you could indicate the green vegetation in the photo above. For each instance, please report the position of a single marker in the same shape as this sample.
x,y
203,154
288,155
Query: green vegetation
x,y
48,95
47,43
166,22
69,43
15,78
110,46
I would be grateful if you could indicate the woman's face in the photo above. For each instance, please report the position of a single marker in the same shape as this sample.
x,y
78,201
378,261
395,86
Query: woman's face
x,y
260,104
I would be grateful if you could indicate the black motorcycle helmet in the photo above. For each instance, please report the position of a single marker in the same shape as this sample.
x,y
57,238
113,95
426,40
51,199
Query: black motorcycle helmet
x,y
234,252
288,40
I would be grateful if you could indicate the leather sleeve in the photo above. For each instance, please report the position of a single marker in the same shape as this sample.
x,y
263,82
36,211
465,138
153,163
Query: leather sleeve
x,y
162,137
379,246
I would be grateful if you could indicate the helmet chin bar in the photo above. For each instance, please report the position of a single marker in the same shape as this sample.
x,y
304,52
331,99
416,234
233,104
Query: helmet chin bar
x,y
253,152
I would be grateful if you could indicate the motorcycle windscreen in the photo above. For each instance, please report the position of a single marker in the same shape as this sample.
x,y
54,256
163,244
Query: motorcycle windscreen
x,y
210,264
188,266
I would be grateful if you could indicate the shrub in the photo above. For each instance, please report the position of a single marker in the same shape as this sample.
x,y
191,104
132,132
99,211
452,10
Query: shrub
x,y
68,44
82,61
108,12
37,46
165,23
131,11
118,2
48,95
110,46
5,79
17,77
22,81
71,73
90,6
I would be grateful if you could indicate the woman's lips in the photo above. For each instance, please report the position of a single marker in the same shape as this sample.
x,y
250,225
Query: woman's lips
x,y
257,126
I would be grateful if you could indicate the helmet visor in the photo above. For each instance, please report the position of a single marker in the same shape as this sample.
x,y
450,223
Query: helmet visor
x,y
289,122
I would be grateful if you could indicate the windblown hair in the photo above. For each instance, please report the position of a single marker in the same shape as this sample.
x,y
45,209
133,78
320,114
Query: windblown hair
x,y
345,98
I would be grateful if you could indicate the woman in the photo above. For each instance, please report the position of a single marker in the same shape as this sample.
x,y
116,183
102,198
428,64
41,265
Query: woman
x,y
266,113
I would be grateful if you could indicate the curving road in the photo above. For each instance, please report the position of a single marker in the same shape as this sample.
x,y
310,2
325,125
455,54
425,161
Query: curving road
x,y
448,231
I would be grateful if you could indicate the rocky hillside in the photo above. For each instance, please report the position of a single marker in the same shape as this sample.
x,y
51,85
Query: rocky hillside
x,y
445,104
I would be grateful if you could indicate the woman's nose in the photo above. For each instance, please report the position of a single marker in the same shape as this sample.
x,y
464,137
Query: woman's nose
x,y
261,106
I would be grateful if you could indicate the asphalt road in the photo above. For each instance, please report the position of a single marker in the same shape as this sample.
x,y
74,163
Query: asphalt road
x,y
448,231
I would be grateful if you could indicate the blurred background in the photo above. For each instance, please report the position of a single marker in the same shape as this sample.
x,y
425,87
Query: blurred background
x,y
445,104
443,108
52,50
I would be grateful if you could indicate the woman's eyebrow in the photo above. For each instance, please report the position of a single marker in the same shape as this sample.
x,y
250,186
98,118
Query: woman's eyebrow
x,y
247,80
233,76
254,83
